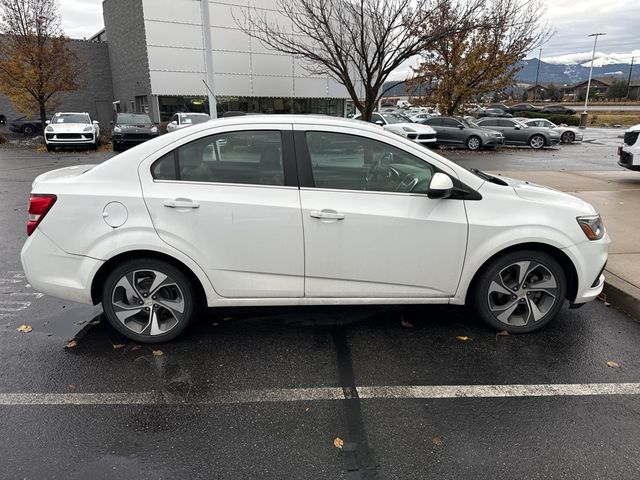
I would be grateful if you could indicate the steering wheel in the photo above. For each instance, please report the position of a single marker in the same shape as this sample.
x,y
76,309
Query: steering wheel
x,y
408,183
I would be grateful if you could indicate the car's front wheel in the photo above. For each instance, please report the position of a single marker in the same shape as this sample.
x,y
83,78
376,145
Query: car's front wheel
x,y
474,143
568,137
520,292
148,300
536,142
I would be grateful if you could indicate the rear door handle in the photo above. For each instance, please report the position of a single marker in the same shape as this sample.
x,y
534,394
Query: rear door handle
x,y
181,203
327,214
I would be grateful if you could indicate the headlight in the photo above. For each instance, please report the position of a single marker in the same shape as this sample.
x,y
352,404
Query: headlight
x,y
154,129
592,226
117,129
407,129
49,128
88,129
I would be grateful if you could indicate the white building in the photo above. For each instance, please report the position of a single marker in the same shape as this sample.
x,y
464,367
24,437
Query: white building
x,y
159,61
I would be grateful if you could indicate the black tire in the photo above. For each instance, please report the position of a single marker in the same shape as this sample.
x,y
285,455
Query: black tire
x,y
537,142
28,130
140,328
50,148
491,303
117,148
568,137
474,142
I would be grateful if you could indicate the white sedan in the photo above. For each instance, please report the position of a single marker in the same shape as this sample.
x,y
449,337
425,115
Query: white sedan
x,y
298,210
402,125
567,134
70,129
182,120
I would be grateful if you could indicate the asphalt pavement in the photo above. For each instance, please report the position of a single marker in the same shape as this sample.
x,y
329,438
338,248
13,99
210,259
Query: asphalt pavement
x,y
406,392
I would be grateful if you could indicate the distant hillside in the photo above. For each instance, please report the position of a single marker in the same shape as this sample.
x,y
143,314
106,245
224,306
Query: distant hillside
x,y
561,74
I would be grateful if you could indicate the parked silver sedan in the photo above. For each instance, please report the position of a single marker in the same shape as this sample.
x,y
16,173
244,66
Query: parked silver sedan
x,y
517,133
567,134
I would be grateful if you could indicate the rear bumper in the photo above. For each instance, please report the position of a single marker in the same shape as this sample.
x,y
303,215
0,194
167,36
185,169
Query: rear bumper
x,y
54,272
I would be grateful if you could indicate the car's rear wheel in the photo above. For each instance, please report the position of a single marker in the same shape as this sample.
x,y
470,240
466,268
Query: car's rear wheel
x,y
520,292
148,300
28,130
474,143
568,137
536,142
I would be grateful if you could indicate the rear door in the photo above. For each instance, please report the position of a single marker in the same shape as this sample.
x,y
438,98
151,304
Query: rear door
x,y
230,201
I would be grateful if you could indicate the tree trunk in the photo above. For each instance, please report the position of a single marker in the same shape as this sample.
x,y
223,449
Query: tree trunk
x,y
43,114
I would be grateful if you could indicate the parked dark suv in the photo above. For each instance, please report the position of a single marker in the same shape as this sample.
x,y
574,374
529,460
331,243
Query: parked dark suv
x,y
26,125
131,129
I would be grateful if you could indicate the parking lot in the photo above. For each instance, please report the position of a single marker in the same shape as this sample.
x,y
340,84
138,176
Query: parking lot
x,y
359,392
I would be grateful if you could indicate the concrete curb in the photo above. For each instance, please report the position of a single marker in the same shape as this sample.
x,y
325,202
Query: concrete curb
x,y
622,294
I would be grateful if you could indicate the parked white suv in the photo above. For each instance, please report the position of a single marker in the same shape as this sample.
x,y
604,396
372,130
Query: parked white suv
x,y
629,153
301,210
403,125
70,129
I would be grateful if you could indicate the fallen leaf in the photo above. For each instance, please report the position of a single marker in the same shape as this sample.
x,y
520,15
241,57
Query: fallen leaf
x,y
71,344
613,364
463,338
157,353
603,298
406,323
71,387
338,442
437,441
94,322
25,328
306,409
135,348
227,319
118,346
502,333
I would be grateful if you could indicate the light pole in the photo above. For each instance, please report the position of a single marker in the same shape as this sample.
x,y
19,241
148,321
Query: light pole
x,y
584,115
535,87
208,58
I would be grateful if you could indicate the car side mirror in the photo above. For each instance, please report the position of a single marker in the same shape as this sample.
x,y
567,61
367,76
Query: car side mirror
x,y
441,186
48,122
379,122
517,127
111,122
461,127
174,123
95,122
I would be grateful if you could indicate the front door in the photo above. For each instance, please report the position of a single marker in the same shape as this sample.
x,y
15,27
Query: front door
x,y
369,228
230,202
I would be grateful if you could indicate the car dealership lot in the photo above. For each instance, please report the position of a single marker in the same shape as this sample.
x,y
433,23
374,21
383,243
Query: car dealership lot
x,y
264,393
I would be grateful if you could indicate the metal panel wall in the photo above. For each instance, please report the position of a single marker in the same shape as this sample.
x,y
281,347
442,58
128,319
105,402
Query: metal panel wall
x,y
242,66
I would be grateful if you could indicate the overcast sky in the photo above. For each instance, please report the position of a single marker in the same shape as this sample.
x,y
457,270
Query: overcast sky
x,y
573,20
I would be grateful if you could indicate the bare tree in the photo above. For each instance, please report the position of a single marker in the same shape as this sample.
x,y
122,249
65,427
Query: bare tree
x,y
35,63
481,57
357,42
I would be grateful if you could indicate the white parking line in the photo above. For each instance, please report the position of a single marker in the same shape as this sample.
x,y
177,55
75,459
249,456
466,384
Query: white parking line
x,y
324,393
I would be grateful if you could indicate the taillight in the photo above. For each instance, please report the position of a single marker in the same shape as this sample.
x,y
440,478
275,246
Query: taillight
x,y
39,206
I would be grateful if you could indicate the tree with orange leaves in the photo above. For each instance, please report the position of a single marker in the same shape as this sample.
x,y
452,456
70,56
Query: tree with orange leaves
x,y
35,62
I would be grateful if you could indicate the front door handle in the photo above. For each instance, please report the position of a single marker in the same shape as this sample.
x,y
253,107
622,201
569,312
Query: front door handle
x,y
181,203
326,214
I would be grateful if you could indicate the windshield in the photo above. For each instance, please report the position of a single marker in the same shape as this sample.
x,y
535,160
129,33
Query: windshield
x,y
70,118
187,118
396,118
468,123
130,118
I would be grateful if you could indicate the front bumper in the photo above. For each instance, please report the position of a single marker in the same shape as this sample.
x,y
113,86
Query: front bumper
x,y
628,159
70,139
124,139
423,138
493,141
589,259
54,272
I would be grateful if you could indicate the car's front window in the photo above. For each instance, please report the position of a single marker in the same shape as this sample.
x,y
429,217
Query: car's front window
x,y
350,162
395,118
70,118
133,118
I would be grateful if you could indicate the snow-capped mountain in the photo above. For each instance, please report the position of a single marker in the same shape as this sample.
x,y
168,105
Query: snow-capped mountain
x,y
600,59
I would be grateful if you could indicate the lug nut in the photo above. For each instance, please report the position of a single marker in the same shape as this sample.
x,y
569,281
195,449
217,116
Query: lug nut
x,y
141,302
146,309
145,295
154,297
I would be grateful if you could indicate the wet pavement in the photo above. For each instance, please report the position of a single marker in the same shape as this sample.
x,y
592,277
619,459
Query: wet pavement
x,y
181,410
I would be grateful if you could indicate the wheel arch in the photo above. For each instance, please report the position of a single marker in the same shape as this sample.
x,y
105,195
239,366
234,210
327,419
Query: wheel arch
x,y
106,268
565,262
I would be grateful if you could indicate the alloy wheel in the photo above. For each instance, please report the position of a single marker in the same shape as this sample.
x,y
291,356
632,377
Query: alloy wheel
x,y
473,143
537,141
522,293
148,302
